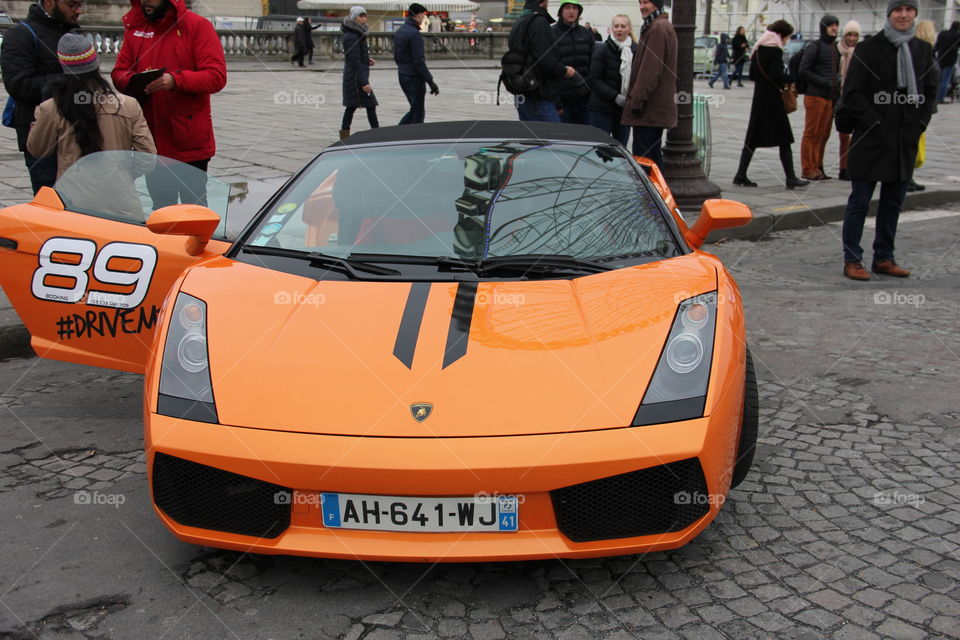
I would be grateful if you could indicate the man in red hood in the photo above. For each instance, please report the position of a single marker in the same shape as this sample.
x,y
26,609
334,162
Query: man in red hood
x,y
164,34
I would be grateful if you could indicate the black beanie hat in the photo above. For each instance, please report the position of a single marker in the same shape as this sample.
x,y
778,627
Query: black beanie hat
x,y
416,9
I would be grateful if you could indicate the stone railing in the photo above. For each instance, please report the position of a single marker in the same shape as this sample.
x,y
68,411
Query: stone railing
x,y
239,44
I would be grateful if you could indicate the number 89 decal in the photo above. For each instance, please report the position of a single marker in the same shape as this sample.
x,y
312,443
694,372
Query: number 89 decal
x,y
82,254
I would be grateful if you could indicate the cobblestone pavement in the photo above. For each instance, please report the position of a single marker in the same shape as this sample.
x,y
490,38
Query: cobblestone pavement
x,y
846,528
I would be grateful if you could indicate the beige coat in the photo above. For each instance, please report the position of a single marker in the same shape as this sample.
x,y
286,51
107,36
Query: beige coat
x,y
123,129
652,96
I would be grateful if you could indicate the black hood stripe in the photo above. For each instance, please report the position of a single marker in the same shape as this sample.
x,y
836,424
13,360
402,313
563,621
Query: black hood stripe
x,y
459,333
410,323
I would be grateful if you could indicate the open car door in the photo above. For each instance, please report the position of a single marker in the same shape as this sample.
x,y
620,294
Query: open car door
x,y
80,266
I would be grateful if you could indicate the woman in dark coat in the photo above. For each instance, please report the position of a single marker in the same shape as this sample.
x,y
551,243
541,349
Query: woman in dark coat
x,y
356,71
769,126
609,75
740,48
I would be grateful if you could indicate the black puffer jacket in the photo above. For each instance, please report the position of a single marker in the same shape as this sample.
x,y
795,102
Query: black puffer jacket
x,y
575,47
604,76
820,66
946,47
28,65
538,42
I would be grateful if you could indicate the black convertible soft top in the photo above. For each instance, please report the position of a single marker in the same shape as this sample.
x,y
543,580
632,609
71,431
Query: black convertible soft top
x,y
479,130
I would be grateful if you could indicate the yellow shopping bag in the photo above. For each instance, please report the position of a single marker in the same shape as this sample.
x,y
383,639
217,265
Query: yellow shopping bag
x,y
921,151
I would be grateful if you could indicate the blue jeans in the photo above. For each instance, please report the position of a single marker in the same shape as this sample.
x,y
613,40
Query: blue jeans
x,y
415,88
646,143
536,110
946,76
738,71
610,122
575,113
721,71
888,212
43,171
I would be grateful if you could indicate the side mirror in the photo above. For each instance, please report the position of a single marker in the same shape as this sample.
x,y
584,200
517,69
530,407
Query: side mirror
x,y
186,220
716,214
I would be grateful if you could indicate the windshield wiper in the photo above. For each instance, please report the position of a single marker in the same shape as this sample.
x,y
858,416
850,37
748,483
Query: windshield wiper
x,y
444,262
348,265
539,263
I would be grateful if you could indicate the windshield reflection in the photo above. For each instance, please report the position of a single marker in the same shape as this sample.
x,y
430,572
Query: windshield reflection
x,y
470,200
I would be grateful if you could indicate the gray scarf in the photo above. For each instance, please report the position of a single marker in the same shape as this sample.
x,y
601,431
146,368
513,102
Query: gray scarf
x,y
356,26
905,75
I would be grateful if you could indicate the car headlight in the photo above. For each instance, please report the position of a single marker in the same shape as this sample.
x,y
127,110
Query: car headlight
x,y
678,388
185,387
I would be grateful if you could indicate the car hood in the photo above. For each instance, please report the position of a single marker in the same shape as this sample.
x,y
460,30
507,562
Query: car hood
x,y
444,359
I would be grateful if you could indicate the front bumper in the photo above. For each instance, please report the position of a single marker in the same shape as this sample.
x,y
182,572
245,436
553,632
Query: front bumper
x,y
528,466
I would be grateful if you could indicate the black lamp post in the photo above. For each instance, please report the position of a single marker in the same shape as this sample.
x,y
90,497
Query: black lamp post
x,y
681,166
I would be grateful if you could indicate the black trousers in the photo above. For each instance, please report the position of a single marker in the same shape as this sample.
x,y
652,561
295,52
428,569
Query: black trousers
x,y
178,183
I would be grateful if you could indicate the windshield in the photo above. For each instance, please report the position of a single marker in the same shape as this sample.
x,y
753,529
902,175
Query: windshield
x,y
470,200
128,186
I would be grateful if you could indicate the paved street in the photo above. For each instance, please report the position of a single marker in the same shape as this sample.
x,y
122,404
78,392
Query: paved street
x,y
847,527
269,123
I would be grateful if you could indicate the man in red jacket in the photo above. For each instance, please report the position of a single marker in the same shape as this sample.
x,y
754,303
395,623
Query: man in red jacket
x,y
164,34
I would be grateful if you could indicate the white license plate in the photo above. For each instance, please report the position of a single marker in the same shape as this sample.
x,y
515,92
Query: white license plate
x,y
403,513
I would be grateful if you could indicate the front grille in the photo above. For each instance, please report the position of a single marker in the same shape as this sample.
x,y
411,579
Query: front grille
x,y
196,495
660,499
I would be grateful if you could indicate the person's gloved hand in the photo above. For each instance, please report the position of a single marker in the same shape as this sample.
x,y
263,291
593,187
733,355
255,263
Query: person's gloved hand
x,y
620,100
434,89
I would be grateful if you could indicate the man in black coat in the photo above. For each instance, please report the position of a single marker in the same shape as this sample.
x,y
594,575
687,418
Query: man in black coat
x,y
820,69
412,64
532,34
574,44
946,52
28,61
889,92
300,36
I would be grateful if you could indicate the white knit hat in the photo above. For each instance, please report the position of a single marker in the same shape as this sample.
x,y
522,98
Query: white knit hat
x,y
851,27
356,11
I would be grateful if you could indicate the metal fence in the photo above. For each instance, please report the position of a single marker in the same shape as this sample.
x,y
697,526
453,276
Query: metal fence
x,y
239,43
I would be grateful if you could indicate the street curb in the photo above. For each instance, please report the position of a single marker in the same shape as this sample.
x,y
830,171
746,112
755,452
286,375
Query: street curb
x,y
14,341
764,222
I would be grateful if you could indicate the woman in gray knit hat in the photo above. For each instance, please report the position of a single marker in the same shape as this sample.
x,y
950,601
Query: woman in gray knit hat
x,y
85,116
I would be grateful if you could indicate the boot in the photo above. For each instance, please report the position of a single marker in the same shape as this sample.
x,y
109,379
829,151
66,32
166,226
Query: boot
x,y
344,133
786,159
740,178
743,181
843,175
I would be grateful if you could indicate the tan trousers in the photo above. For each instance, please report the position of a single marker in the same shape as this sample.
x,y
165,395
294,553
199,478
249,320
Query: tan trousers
x,y
816,130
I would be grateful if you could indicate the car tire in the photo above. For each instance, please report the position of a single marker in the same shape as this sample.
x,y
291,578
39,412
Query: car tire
x,y
749,425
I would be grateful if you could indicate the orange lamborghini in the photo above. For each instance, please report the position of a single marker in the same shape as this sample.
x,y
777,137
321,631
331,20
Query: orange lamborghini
x,y
446,342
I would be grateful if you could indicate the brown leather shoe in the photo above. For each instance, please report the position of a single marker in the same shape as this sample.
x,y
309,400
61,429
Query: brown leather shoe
x,y
855,271
889,268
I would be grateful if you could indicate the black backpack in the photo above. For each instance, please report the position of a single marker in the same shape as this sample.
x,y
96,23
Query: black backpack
x,y
794,68
518,68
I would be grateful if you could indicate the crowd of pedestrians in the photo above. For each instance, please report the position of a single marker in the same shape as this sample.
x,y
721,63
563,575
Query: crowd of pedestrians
x,y
879,92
